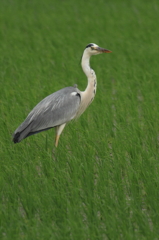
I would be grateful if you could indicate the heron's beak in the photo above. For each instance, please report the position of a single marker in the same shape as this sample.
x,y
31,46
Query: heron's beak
x,y
101,50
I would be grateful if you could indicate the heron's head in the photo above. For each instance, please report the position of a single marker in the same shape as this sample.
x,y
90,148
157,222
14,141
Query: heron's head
x,y
94,49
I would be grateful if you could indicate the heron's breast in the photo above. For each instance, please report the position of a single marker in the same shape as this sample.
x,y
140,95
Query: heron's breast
x,y
87,97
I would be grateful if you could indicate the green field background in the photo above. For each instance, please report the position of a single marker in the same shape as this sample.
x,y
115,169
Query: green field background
x,y
102,182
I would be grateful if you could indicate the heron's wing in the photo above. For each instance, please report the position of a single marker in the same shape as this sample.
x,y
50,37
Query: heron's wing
x,y
56,109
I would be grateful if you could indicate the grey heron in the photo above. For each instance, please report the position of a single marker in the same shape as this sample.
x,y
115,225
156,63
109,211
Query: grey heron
x,y
60,107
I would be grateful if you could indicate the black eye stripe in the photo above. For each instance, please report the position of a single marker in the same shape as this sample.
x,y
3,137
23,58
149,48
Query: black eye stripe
x,y
89,45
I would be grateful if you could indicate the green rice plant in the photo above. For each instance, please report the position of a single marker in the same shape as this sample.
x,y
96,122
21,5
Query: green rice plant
x,y
102,182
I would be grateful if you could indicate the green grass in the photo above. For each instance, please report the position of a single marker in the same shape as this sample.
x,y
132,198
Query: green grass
x,y
102,182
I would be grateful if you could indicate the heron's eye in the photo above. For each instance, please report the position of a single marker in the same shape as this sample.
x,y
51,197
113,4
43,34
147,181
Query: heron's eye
x,y
92,48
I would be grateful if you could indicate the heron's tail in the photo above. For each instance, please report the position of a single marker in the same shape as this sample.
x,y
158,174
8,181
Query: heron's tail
x,y
22,132
16,137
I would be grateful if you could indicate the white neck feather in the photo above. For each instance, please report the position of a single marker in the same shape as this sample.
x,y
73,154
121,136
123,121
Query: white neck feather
x,y
87,96
91,76
86,64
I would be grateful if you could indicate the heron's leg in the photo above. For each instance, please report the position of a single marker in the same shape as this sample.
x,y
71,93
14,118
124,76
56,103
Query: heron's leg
x,y
59,130
57,140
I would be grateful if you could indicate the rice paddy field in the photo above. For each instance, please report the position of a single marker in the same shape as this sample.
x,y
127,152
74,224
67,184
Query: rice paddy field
x,y
102,182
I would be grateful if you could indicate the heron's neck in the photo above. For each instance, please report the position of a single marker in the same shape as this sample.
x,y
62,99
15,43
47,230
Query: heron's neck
x,y
91,76
86,64
87,96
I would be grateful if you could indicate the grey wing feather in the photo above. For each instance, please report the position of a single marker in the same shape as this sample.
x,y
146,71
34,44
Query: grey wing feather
x,y
56,109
